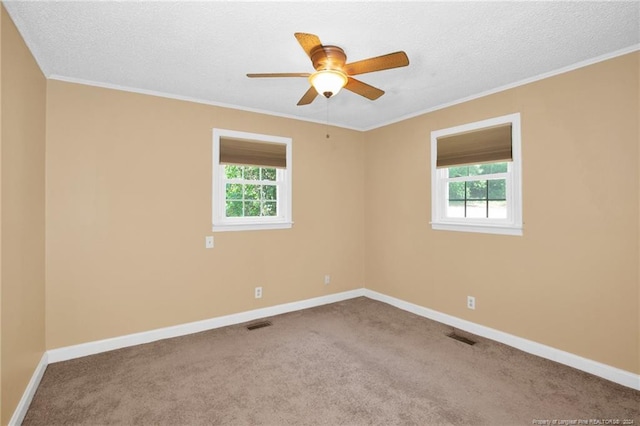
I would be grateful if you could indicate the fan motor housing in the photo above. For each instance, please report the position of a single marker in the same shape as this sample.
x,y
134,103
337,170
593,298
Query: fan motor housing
x,y
328,58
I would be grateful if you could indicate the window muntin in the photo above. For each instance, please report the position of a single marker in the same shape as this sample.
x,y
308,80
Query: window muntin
x,y
480,197
251,191
252,183
477,191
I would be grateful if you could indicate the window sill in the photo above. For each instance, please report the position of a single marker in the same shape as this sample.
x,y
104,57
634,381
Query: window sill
x,y
251,226
485,229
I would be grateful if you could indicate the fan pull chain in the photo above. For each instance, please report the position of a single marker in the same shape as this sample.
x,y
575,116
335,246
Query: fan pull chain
x,y
327,126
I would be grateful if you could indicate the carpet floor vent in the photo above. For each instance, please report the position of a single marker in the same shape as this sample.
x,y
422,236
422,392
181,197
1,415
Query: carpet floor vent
x,y
257,325
462,339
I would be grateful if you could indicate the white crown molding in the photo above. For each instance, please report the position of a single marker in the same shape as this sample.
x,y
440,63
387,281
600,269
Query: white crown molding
x,y
19,24
187,99
553,73
29,392
533,79
605,371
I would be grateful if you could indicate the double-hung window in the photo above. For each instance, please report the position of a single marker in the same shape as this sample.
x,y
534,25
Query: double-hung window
x,y
476,177
251,181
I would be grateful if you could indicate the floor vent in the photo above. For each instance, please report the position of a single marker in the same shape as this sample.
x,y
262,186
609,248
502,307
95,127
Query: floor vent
x,y
257,325
454,336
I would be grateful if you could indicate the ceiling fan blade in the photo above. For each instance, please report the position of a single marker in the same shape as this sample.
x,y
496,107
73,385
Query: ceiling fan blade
x,y
308,97
308,42
379,63
279,74
363,89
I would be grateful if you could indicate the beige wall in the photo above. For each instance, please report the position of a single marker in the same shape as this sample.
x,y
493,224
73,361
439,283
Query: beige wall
x,y
128,199
22,153
2,12
571,282
129,204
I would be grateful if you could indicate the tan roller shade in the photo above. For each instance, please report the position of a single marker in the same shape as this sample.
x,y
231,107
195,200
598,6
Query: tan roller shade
x,y
252,153
487,145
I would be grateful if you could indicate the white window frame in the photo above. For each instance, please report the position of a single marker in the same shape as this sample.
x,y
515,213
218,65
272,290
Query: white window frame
x,y
512,225
283,180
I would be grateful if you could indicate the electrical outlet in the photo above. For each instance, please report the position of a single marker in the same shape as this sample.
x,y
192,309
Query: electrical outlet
x,y
471,302
327,279
208,241
258,293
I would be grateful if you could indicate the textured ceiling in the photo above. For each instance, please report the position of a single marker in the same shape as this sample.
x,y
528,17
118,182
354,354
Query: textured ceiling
x,y
203,50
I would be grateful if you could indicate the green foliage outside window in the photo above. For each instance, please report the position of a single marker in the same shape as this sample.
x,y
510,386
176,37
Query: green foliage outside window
x,y
477,197
493,189
477,169
253,194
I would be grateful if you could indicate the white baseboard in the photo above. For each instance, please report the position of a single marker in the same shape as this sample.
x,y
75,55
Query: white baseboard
x,y
91,348
605,371
29,392
608,372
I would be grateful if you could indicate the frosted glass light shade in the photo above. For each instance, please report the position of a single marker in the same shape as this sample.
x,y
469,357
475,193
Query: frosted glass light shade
x,y
328,82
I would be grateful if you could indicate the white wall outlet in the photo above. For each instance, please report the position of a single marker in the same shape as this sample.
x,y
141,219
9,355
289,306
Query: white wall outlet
x,y
258,293
471,302
208,241
327,279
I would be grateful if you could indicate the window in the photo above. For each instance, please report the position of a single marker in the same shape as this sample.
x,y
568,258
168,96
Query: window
x,y
251,181
476,177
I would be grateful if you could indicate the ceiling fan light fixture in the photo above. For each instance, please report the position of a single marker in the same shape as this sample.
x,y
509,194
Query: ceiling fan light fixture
x,y
333,72
328,82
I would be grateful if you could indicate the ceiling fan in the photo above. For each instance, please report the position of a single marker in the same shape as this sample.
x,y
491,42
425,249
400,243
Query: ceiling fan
x,y
333,73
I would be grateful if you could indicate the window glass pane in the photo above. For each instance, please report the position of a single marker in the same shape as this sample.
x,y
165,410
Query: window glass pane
x,y
497,189
477,209
252,208
251,173
458,171
233,172
268,174
455,209
234,209
269,192
499,167
497,209
477,169
234,191
270,208
456,191
477,190
485,169
251,200
252,192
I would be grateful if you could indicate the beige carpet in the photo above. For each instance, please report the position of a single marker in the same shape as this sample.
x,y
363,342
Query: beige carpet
x,y
358,362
